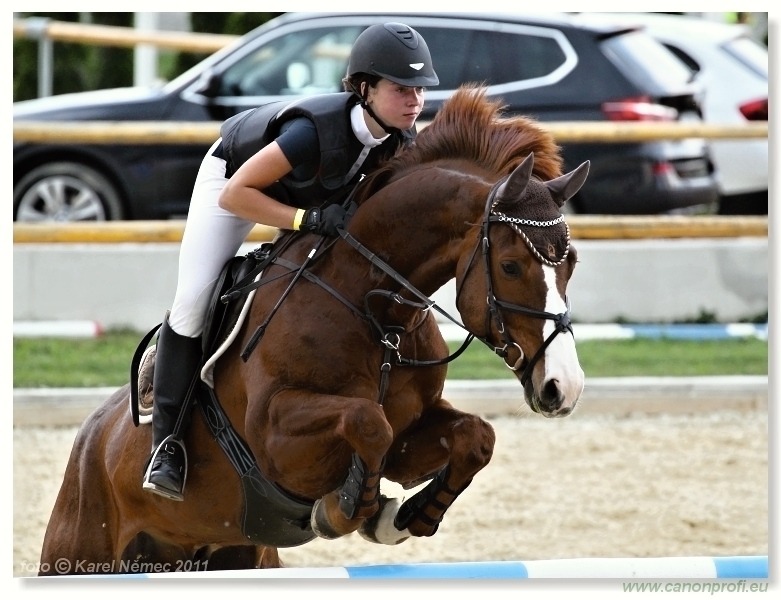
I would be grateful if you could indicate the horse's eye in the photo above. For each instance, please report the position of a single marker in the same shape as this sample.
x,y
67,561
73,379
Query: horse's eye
x,y
511,268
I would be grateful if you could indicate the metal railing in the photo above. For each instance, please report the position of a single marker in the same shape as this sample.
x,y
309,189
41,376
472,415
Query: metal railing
x,y
181,132
47,31
582,227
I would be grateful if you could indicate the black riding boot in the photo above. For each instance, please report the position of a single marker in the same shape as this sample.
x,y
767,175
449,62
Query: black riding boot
x,y
177,360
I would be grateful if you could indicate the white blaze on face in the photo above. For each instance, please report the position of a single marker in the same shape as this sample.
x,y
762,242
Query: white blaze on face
x,y
561,358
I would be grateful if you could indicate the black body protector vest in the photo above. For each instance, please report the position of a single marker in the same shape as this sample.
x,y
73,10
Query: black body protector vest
x,y
246,133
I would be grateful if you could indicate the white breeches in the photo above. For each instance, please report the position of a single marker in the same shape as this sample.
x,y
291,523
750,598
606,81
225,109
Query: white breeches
x,y
212,236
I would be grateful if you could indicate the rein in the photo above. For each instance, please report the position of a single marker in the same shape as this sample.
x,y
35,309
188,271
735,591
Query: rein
x,y
389,336
391,339
261,329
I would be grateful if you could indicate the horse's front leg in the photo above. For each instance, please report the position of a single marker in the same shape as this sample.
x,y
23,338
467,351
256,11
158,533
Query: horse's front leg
x,y
330,448
446,446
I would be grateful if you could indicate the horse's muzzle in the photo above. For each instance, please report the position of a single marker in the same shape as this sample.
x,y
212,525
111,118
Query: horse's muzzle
x,y
550,400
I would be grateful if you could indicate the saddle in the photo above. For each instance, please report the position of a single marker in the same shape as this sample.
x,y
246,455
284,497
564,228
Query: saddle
x,y
271,516
237,279
222,317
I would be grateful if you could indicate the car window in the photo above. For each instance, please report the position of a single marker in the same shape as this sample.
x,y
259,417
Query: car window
x,y
492,57
313,61
305,62
750,53
685,57
646,62
746,51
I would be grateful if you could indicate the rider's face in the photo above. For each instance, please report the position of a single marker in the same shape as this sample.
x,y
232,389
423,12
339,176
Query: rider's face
x,y
396,105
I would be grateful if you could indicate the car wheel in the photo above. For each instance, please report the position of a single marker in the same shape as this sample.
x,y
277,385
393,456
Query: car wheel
x,y
66,191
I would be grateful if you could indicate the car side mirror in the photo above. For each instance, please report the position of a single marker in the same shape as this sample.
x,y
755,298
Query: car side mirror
x,y
208,84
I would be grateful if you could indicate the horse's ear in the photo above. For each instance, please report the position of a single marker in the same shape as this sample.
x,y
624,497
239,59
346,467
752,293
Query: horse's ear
x,y
515,185
564,187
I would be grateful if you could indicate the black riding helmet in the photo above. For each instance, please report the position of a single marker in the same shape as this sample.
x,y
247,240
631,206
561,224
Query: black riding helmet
x,y
395,52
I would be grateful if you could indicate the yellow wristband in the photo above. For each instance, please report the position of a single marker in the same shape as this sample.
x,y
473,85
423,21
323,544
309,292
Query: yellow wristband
x,y
298,218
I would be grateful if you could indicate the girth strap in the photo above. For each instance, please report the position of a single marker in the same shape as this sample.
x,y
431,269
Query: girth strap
x,y
270,516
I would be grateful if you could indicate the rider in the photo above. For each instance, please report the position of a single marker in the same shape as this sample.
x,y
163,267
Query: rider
x,y
278,165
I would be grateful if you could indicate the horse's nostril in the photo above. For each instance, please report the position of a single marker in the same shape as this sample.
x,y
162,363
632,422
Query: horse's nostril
x,y
550,396
551,391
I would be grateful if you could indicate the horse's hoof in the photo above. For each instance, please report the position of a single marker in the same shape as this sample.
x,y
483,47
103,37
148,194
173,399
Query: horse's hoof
x,y
320,523
380,529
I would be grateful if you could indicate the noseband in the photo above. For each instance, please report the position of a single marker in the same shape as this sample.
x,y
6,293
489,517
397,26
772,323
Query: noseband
x,y
561,321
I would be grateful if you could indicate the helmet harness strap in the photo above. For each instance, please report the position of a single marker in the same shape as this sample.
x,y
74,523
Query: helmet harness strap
x,y
368,109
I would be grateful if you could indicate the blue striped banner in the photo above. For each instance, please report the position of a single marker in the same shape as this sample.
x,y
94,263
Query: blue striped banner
x,y
705,331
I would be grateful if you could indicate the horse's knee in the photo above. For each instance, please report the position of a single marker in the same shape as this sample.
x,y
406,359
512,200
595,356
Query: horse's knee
x,y
473,443
368,432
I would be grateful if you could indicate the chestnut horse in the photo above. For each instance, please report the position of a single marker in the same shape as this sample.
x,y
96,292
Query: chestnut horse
x,y
335,378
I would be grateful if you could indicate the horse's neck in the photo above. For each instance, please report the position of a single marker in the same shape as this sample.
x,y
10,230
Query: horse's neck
x,y
419,223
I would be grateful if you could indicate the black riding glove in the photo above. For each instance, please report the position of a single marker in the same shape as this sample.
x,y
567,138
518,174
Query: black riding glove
x,y
324,221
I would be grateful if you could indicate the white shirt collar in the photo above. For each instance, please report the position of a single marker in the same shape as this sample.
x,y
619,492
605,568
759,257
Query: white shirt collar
x,y
361,130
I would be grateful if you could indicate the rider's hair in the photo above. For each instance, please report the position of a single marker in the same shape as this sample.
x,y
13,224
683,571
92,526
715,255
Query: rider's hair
x,y
353,83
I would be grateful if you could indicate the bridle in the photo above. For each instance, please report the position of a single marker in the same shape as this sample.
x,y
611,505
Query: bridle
x,y
561,321
389,336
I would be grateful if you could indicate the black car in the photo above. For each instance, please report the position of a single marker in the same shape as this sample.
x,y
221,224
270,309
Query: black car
x,y
550,67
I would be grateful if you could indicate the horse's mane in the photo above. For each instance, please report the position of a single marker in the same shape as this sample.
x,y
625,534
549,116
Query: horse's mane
x,y
471,127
